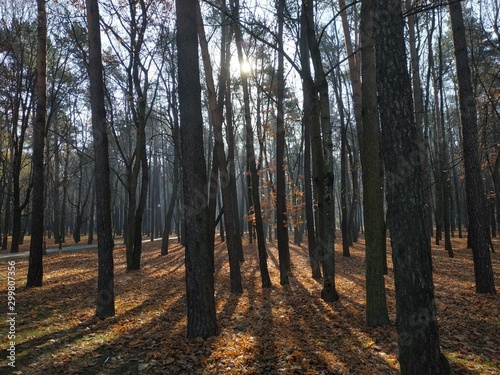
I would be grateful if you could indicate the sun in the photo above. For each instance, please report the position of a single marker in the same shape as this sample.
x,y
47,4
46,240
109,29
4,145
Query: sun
x,y
245,67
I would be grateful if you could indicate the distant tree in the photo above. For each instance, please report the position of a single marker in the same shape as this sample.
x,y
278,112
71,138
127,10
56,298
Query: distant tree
x,y
18,48
105,277
35,268
473,180
416,320
199,267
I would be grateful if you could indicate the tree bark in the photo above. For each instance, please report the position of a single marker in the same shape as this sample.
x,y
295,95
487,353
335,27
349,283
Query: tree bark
x,y
416,321
216,106
372,178
250,157
321,137
281,209
105,278
307,121
483,271
199,268
35,267
422,142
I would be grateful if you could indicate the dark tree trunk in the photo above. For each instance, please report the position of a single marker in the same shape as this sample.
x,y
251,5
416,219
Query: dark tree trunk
x,y
231,159
473,180
35,267
173,198
344,179
372,178
250,158
105,278
90,239
199,268
321,137
216,106
307,87
416,320
281,209
7,213
419,120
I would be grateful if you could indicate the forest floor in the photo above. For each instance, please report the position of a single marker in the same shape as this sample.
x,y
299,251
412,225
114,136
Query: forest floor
x,y
282,330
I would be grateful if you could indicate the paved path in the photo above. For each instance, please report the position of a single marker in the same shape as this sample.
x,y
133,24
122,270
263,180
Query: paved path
x,y
65,249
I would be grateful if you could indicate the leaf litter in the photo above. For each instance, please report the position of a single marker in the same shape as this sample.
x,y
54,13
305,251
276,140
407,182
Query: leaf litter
x,y
282,330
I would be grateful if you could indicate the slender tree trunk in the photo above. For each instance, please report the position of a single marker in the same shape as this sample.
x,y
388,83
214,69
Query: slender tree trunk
x,y
419,112
105,278
473,181
231,160
173,198
216,106
372,178
250,156
35,267
199,268
307,88
344,177
281,209
323,154
90,239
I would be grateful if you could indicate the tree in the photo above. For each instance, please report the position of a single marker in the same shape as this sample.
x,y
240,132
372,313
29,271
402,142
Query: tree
x,y
253,178
105,278
372,178
483,271
35,268
322,152
19,61
281,209
216,106
199,267
416,321
308,101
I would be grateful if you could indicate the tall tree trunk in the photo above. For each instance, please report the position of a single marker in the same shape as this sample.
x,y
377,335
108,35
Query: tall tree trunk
x,y
56,203
354,74
250,155
35,267
216,107
323,154
307,88
231,159
372,178
473,181
419,121
416,321
281,209
199,268
105,277
344,176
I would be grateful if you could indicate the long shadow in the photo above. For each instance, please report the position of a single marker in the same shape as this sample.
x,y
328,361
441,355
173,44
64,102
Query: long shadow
x,y
30,351
329,338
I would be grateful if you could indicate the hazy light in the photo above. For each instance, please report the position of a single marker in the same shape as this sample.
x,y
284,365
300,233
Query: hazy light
x,y
245,67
